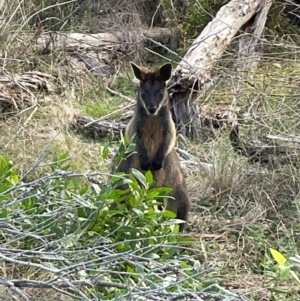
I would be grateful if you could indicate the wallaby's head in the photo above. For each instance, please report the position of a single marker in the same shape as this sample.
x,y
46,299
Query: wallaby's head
x,y
153,93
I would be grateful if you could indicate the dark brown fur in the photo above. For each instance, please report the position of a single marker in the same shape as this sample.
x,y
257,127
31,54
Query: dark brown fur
x,y
153,132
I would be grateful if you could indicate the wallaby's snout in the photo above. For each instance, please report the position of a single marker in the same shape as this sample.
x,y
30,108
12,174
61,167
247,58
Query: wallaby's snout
x,y
152,109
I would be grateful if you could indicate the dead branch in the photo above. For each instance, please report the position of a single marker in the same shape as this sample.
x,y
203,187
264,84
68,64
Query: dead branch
x,y
113,92
205,294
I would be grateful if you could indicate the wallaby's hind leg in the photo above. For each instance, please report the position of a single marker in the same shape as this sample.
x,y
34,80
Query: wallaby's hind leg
x,y
183,210
180,205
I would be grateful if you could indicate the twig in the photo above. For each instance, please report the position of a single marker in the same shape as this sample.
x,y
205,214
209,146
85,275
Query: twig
x,y
36,13
225,291
30,264
156,294
292,139
25,123
60,284
119,94
12,286
103,117
58,174
131,103
166,48
39,158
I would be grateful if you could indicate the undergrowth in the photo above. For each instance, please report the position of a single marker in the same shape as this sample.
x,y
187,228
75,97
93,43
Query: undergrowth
x,y
57,228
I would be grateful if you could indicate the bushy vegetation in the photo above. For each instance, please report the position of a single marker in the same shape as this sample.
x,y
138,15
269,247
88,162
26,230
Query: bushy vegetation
x,y
62,227
61,238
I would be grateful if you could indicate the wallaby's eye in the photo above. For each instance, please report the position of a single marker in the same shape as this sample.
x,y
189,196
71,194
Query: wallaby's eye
x,y
161,92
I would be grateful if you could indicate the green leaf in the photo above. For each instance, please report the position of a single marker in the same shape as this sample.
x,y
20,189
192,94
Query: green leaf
x,y
130,148
8,173
120,178
172,251
99,296
104,151
5,186
170,214
208,283
138,175
163,191
151,256
59,160
57,231
14,178
4,213
284,271
149,177
278,257
138,212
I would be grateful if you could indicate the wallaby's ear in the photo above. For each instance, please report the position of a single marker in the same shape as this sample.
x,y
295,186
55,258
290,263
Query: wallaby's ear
x,y
138,73
165,71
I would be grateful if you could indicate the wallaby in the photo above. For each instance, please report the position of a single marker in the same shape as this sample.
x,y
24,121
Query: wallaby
x,y
153,131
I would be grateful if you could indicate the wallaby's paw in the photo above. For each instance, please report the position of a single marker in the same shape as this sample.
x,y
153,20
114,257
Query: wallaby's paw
x,y
145,163
157,164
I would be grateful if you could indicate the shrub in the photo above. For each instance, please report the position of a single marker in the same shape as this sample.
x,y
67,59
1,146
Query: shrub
x,y
62,225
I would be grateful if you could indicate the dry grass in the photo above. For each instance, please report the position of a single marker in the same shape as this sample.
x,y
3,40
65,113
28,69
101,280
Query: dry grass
x,y
239,209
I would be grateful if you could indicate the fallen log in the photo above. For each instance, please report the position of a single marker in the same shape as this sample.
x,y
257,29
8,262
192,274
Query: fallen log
x,y
97,53
97,128
118,40
264,150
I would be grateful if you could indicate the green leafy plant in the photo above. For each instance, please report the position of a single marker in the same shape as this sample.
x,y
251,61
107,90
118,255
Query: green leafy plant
x,y
284,268
59,209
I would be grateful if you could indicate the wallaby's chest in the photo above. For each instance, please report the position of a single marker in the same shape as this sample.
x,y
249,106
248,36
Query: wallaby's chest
x,y
152,134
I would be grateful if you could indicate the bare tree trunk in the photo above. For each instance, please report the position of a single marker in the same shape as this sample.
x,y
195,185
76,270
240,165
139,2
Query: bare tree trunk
x,y
193,72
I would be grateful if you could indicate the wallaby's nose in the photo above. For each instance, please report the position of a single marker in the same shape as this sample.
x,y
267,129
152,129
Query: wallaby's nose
x,y
152,110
